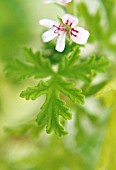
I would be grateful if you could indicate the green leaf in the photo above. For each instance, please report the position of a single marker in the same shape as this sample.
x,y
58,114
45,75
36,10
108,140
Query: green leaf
x,y
54,105
32,66
68,90
30,56
54,56
34,92
85,69
71,60
49,114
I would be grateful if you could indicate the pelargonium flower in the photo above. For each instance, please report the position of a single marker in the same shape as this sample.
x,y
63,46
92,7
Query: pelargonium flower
x,y
63,2
65,26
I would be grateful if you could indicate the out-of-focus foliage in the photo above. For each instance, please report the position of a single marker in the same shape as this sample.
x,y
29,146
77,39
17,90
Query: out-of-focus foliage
x,y
14,28
108,157
15,32
105,34
91,144
101,25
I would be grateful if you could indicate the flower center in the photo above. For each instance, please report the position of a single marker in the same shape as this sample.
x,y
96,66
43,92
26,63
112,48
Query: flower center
x,y
68,25
66,28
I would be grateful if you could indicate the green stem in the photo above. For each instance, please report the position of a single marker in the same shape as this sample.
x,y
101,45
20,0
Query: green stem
x,y
71,8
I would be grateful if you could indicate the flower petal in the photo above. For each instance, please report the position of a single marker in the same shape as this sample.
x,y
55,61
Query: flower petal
x,y
48,35
70,20
60,44
64,1
58,1
81,37
48,23
48,1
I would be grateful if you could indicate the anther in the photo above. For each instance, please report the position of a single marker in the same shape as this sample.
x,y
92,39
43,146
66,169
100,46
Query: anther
x,y
74,31
58,28
68,22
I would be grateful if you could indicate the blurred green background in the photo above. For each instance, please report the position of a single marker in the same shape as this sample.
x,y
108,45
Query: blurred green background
x,y
91,143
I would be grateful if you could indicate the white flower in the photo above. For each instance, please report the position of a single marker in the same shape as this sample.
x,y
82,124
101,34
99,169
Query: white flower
x,y
62,2
66,26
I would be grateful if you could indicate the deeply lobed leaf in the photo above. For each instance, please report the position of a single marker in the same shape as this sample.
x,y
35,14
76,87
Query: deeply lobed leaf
x,y
68,90
84,69
67,62
32,66
54,106
34,92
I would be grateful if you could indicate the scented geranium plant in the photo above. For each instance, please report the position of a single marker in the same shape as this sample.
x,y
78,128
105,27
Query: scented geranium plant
x,y
63,74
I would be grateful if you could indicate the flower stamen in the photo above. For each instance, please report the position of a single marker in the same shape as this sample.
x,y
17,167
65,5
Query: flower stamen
x,y
58,29
68,23
73,32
